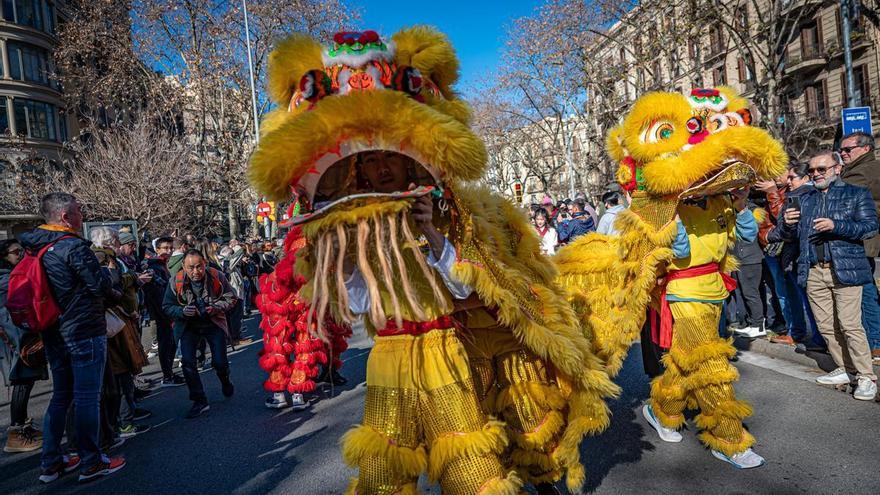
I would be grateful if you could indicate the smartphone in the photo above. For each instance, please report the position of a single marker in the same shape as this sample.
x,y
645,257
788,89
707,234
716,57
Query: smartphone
x,y
793,202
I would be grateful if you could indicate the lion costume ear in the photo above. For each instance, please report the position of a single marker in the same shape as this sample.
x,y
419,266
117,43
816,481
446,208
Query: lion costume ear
x,y
614,144
288,62
735,102
429,51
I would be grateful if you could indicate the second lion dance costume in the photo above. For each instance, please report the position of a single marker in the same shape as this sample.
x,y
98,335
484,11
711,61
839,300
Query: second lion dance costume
x,y
480,374
681,157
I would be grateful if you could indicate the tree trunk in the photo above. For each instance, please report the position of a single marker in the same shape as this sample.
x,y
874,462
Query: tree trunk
x,y
233,219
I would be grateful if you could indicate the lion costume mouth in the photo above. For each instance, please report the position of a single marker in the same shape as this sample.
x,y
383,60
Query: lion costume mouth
x,y
734,175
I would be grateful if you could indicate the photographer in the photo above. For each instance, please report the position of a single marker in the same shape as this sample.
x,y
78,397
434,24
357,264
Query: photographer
x,y
831,224
197,299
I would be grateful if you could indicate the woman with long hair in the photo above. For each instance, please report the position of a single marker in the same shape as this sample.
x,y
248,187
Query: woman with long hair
x,y
546,232
22,361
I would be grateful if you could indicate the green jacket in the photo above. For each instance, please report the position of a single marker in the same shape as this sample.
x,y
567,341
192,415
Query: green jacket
x,y
175,264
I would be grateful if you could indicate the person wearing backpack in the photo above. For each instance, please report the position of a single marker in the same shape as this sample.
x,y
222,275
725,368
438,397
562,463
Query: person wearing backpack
x,y
22,361
76,345
197,299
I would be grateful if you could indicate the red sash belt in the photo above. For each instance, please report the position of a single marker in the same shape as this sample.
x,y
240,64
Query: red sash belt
x,y
662,334
416,328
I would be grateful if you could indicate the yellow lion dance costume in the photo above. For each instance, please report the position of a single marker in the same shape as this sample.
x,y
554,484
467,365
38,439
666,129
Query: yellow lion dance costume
x,y
680,157
474,331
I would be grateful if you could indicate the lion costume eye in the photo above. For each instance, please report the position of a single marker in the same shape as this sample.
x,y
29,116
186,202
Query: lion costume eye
x,y
658,132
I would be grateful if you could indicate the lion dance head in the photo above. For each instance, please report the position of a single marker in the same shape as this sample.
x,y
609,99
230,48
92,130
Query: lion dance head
x,y
364,126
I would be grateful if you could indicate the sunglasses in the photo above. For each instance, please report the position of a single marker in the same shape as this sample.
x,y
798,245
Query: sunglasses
x,y
817,171
16,252
848,149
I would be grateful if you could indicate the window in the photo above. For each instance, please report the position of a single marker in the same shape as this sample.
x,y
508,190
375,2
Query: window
x,y
693,49
744,71
62,127
861,87
716,41
35,119
811,40
28,62
742,18
815,100
4,116
37,14
658,72
674,63
719,76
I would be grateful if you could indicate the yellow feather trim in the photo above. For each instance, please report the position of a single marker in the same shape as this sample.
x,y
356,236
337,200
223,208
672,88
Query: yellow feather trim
x,y
732,409
545,396
727,448
702,379
353,213
509,485
451,446
363,441
543,433
691,359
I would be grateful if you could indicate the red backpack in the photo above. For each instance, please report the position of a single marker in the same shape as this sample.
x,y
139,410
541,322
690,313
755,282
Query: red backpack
x,y
30,302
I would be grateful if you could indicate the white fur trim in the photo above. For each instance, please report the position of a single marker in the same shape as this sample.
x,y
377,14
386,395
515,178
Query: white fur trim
x,y
357,61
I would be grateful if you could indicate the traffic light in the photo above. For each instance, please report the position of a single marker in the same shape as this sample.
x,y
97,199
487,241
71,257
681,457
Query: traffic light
x,y
517,191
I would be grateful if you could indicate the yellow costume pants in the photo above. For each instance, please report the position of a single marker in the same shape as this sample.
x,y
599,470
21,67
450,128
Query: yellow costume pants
x,y
515,385
421,414
698,374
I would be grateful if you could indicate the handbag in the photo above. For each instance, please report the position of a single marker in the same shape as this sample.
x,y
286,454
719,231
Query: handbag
x,y
115,324
31,353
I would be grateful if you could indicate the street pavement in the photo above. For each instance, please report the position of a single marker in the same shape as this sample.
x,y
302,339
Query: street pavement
x,y
817,440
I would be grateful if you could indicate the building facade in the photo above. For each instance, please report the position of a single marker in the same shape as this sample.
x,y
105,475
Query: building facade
x,y
680,45
33,119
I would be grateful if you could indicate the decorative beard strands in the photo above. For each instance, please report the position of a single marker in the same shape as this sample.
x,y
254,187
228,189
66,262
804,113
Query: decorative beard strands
x,y
380,232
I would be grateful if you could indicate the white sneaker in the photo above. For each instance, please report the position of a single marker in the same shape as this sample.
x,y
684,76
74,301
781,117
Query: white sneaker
x,y
298,402
277,401
752,332
836,377
866,390
666,434
746,459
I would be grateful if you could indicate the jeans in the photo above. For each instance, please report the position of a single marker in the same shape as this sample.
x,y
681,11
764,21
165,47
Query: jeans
x,y
871,314
127,404
77,373
167,346
189,341
747,306
778,278
802,320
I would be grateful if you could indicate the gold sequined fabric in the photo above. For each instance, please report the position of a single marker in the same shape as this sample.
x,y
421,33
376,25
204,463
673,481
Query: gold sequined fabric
x,y
427,393
706,379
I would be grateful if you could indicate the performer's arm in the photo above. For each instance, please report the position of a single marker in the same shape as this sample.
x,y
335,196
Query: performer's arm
x,y
358,297
443,265
746,226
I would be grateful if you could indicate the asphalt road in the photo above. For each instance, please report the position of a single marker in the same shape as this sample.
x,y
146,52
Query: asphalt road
x,y
817,440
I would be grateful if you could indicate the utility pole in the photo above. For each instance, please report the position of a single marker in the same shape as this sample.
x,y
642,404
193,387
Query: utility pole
x,y
247,37
845,12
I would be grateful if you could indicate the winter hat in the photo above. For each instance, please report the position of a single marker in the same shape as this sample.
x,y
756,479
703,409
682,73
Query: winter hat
x,y
126,238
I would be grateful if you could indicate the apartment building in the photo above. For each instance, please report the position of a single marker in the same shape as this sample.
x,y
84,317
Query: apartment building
x,y
670,46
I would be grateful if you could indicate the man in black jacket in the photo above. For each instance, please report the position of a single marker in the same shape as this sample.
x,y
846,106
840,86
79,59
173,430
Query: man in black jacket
x,y
198,298
76,347
831,225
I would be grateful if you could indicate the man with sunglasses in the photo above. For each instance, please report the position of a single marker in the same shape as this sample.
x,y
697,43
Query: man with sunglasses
x,y
831,225
861,168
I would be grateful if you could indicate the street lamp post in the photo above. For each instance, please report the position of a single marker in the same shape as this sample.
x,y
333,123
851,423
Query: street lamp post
x,y
247,37
847,52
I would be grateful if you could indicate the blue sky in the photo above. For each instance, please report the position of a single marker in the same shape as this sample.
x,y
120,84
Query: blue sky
x,y
477,28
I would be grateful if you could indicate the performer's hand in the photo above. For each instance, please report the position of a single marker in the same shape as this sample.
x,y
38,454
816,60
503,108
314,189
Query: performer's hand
x,y
792,216
823,225
423,215
766,186
739,198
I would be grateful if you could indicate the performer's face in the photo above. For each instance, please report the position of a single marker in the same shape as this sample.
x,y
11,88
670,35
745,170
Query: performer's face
x,y
386,172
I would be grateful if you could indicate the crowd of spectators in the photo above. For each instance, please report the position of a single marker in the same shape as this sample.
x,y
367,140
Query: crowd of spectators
x,y
179,299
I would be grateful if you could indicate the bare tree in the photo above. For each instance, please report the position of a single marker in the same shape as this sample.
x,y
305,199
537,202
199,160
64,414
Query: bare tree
x,y
136,171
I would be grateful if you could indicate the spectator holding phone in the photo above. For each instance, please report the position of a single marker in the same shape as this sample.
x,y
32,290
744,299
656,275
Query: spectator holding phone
x,y
831,225
197,299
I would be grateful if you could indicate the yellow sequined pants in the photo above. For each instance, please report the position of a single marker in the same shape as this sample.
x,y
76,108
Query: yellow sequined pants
x,y
421,413
517,386
698,374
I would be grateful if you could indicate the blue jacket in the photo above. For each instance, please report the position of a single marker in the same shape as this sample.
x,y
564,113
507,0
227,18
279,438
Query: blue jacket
x,y
854,214
580,224
77,282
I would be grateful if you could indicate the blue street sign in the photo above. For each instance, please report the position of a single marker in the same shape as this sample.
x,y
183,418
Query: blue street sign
x,y
856,119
